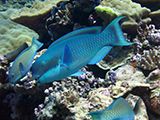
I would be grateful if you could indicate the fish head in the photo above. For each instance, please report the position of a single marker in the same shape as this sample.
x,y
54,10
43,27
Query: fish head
x,y
40,66
14,76
51,75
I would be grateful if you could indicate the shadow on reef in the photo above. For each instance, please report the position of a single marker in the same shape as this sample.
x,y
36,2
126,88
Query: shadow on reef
x,y
4,108
97,71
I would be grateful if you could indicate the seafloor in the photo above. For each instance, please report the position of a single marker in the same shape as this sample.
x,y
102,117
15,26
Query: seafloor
x,y
131,72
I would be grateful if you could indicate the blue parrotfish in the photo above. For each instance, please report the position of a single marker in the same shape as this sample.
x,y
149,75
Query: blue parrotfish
x,y
70,53
120,109
23,62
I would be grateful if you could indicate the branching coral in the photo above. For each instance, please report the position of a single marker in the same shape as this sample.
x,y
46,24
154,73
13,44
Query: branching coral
x,y
149,36
150,60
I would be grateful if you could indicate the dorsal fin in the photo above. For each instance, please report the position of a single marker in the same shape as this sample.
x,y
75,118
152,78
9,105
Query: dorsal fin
x,y
87,30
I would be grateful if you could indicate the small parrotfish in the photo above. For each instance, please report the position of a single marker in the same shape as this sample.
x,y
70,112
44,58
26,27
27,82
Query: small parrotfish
x,y
120,109
21,65
73,51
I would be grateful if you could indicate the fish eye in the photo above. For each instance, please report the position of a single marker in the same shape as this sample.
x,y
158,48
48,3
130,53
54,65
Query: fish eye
x,y
12,75
43,63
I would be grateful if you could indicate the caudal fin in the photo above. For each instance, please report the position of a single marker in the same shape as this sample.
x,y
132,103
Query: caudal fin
x,y
118,110
36,43
115,33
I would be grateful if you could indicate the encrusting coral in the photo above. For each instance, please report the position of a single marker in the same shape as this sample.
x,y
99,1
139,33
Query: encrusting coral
x,y
114,60
7,4
106,13
13,35
134,12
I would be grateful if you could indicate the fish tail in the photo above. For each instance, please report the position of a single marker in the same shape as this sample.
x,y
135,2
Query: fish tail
x,y
36,43
119,110
115,33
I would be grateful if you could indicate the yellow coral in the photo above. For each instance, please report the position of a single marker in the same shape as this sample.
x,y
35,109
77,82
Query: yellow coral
x,y
106,13
132,10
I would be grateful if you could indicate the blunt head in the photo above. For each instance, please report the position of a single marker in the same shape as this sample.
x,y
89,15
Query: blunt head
x,y
13,77
50,76
41,66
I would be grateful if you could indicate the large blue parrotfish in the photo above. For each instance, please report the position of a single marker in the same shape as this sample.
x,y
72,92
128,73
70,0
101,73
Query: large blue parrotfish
x,y
120,109
23,61
73,51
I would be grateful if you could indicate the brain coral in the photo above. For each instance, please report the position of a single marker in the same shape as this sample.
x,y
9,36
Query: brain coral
x,y
35,17
132,10
13,35
35,14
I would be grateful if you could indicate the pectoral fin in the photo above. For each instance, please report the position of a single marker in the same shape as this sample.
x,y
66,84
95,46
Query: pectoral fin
x,y
66,57
21,68
100,55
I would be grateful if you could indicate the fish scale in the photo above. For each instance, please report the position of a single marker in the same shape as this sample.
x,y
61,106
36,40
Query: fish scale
x,y
23,61
77,49
118,110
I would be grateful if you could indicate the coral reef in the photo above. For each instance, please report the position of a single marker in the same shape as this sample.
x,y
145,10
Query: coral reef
x,y
155,15
12,55
154,75
139,107
148,36
7,4
53,16
106,13
114,60
76,96
150,59
13,35
58,21
134,12
22,106
71,95
151,4
69,13
35,17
